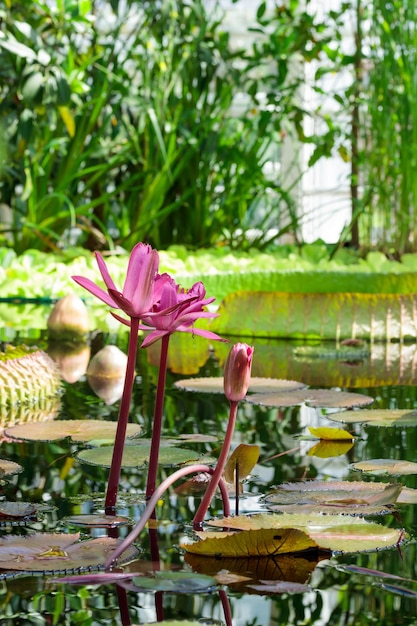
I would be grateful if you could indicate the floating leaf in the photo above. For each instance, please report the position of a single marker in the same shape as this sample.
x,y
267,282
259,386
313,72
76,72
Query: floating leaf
x,y
16,510
214,384
377,417
77,430
244,457
330,434
42,552
260,542
331,532
175,582
138,456
96,521
325,398
280,586
8,468
329,449
386,466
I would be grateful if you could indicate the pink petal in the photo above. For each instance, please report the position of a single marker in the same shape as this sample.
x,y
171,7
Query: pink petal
x,y
154,336
121,319
104,272
202,333
95,290
140,277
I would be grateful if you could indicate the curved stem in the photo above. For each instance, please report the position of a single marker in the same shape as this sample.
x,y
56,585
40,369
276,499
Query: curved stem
x,y
211,489
147,514
157,418
122,420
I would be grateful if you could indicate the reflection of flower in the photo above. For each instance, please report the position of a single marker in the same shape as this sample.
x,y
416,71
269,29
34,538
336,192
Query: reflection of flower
x,y
138,294
54,551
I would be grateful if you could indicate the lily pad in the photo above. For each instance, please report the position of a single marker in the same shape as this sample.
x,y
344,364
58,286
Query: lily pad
x,y
16,510
323,398
333,532
96,521
391,467
45,552
175,582
213,384
7,468
335,497
138,456
77,430
242,460
377,417
329,449
330,434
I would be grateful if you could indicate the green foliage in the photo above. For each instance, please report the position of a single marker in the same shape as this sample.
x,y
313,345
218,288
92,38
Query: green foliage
x,y
141,121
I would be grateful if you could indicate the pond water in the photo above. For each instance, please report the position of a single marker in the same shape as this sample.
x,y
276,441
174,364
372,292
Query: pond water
x,y
56,480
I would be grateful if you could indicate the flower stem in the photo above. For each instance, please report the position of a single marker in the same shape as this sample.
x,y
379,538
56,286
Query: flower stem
x,y
150,507
157,419
208,496
122,420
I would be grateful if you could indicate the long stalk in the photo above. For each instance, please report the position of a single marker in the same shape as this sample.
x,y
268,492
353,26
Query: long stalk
x,y
159,491
116,462
215,479
157,418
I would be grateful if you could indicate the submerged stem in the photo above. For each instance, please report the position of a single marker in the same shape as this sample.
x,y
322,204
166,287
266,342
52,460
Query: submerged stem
x,y
157,418
217,474
147,514
122,420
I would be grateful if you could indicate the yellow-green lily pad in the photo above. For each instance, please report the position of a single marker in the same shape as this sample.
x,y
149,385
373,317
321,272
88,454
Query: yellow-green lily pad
x,y
377,417
138,456
77,430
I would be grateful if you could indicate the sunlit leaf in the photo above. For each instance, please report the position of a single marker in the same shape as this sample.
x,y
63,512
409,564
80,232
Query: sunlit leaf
x,y
386,466
336,533
213,384
377,417
243,459
138,456
325,398
260,542
42,552
328,449
77,430
175,582
68,120
330,434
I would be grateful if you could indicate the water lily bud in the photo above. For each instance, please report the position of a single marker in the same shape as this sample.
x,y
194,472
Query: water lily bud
x,y
237,372
69,317
106,373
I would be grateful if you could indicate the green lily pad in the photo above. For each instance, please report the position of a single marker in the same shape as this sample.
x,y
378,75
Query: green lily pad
x,y
138,456
214,384
391,467
377,417
77,430
175,582
323,398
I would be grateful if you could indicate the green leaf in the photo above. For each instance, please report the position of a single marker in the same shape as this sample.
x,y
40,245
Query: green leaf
x,y
176,582
243,459
17,48
77,430
138,456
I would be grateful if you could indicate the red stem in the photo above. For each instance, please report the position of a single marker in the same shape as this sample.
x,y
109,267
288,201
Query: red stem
x,y
211,489
147,514
157,418
122,420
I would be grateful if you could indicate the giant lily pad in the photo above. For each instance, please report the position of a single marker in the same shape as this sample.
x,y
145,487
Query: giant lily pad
x,y
334,532
43,552
377,417
214,384
138,456
77,430
174,582
324,398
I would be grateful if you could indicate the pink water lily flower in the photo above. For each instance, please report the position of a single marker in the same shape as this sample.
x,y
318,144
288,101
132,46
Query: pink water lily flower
x,y
138,294
176,311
